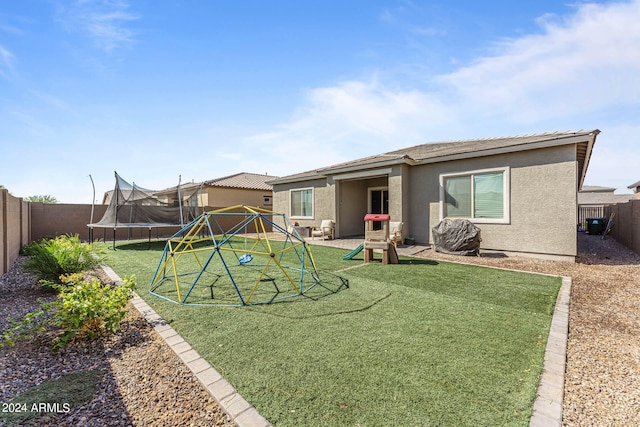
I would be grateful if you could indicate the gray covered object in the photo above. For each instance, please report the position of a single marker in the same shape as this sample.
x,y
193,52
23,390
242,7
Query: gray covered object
x,y
456,237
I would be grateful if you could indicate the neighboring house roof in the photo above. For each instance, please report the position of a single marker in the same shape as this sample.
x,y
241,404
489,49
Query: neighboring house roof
x,y
596,189
634,186
595,195
244,180
456,150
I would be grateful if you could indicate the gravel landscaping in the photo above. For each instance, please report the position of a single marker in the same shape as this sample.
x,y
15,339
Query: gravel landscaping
x,y
142,382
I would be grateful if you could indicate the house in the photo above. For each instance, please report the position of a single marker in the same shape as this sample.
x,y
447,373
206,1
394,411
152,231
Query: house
x,y
636,189
239,189
521,191
593,199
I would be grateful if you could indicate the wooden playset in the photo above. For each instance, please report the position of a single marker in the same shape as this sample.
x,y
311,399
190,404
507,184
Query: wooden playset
x,y
378,239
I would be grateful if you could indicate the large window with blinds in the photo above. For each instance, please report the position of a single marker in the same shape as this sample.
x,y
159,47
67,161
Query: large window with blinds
x,y
481,196
302,203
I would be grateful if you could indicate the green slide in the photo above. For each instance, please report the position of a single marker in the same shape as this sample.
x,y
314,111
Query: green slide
x,y
354,252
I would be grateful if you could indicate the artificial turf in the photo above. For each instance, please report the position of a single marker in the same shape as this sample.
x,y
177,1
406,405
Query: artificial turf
x,y
419,343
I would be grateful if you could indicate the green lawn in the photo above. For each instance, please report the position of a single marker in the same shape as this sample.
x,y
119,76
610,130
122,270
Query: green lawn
x,y
416,344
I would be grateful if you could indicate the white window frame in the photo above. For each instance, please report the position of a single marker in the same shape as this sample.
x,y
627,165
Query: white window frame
x,y
313,203
506,194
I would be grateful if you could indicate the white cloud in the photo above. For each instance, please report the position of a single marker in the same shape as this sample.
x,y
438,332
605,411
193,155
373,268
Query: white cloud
x,y
6,60
354,118
575,73
586,62
104,21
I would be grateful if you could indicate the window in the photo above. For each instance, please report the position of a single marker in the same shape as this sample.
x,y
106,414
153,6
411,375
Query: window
x,y
482,196
268,201
302,203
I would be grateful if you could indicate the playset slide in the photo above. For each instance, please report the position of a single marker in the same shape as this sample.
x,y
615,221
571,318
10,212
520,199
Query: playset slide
x,y
353,253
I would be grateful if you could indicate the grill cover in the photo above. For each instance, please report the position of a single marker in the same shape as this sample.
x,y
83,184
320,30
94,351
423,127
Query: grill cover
x,y
456,237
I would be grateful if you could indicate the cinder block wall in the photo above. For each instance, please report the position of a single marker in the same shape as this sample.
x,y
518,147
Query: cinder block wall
x,y
50,220
626,223
14,228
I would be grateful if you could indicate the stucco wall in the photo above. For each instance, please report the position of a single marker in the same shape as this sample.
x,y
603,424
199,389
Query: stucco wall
x,y
324,201
398,191
352,208
543,210
216,196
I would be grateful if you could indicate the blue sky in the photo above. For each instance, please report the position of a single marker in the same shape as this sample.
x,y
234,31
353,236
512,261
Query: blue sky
x,y
206,88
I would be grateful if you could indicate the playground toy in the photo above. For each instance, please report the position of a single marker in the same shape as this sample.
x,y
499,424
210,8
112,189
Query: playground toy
x,y
378,239
235,256
134,207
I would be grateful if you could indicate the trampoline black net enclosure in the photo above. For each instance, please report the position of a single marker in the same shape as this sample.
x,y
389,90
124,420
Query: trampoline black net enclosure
x,y
132,206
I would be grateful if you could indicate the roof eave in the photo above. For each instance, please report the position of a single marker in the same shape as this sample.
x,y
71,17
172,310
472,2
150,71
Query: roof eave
x,y
585,165
294,179
512,149
373,165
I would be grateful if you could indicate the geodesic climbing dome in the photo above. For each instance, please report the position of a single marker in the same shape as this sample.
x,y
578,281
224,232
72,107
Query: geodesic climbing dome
x,y
240,255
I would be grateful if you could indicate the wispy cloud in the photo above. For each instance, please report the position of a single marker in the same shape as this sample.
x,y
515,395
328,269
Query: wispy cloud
x,y
352,116
6,61
585,62
576,68
105,22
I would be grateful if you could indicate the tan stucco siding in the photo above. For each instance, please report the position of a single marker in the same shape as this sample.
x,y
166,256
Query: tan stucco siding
x,y
352,207
543,208
323,200
395,194
224,197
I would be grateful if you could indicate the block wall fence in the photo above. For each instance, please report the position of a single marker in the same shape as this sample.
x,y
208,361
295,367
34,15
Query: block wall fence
x,y
15,222
626,223
22,222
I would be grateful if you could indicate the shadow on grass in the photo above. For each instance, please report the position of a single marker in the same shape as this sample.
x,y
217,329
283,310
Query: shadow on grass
x,y
330,286
154,245
402,260
330,313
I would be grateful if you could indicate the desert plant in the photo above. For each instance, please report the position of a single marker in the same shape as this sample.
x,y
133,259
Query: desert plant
x,y
83,310
51,258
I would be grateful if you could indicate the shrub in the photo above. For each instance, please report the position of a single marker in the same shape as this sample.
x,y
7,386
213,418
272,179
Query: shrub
x,y
52,258
83,310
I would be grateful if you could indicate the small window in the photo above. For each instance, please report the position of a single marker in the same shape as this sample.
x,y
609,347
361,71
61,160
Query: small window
x,y
268,201
302,203
482,196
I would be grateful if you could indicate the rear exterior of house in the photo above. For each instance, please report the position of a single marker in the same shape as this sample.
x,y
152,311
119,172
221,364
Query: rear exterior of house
x,y
520,191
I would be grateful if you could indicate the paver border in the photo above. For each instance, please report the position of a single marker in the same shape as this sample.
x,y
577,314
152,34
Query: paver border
x,y
239,410
547,408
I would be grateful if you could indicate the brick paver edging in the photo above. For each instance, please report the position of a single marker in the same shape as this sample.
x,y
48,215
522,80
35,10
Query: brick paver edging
x,y
240,411
547,409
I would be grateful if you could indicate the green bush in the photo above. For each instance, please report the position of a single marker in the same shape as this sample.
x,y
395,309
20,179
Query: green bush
x,y
83,310
51,258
